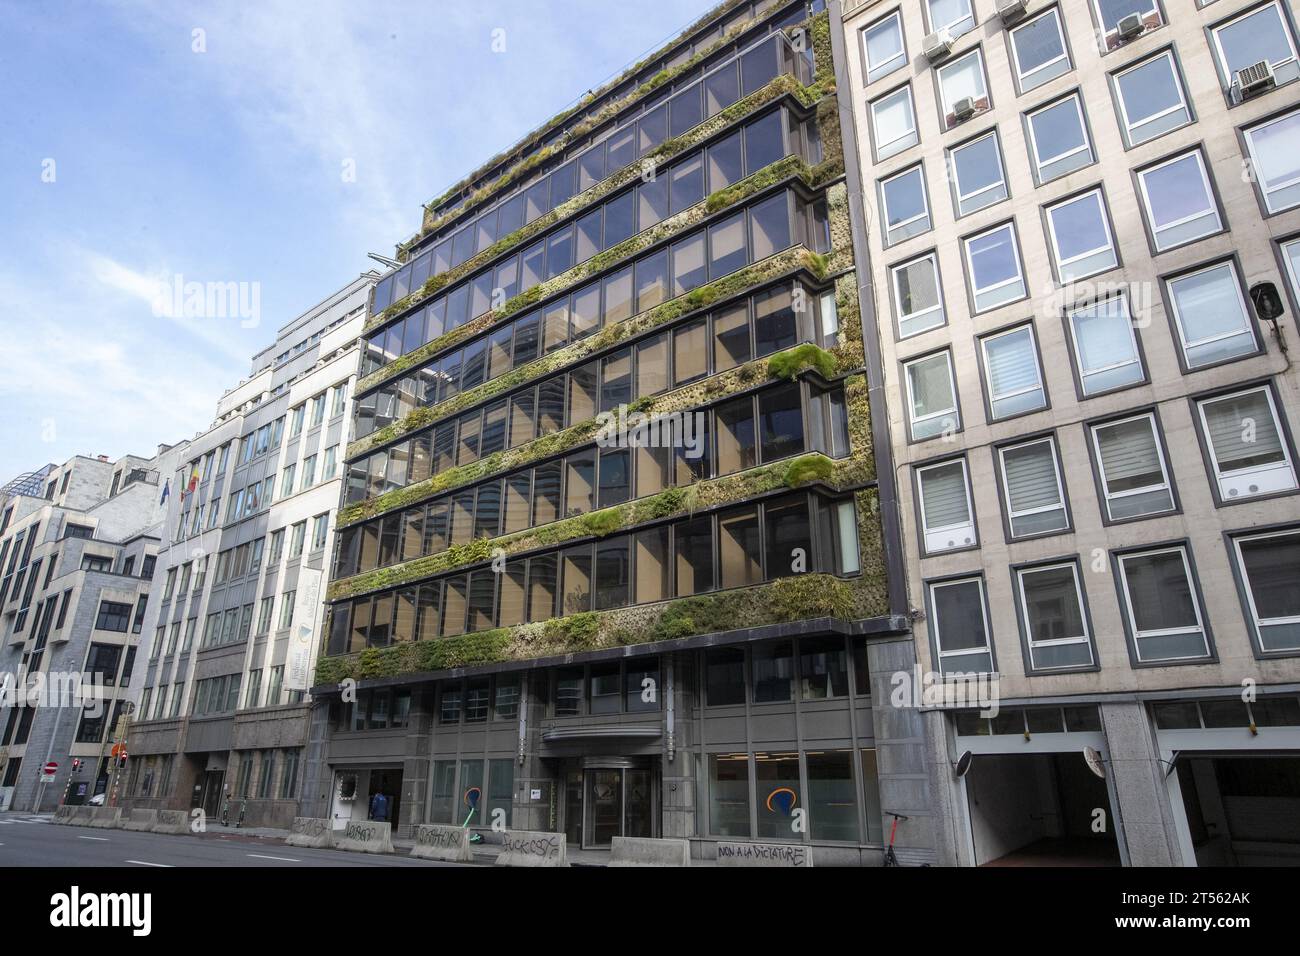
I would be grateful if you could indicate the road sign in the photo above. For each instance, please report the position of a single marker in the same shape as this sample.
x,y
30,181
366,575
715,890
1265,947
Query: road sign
x,y
119,750
51,768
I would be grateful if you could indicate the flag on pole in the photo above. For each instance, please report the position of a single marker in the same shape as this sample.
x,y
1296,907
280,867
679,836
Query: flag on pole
x,y
167,490
194,482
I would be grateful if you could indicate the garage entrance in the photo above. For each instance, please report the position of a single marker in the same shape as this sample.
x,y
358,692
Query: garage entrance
x,y
1242,810
1044,809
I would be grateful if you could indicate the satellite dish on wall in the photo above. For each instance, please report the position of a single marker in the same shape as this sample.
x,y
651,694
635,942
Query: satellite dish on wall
x,y
1093,759
962,765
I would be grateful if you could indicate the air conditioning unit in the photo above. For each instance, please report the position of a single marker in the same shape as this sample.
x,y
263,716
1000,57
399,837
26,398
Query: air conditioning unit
x,y
964,108
1256,78
1130,26
937,45
1009,10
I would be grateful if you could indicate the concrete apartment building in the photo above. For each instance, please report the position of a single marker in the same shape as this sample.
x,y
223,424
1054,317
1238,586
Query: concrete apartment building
x,y
234,618
1065,207
675,624
78,545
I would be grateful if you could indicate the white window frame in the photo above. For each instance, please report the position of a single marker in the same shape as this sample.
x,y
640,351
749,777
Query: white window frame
x,y
1221,60
1166,483
1039,387
1258,622
1050,441
1040,164
1084,372
894,272
962,197
1247,328
880,70
937,627
932,539
1279,471
892,148
1209,192
917,170
1023,78
1019,277
1292,262
1136,635
1265,195
1062,264
1183,103
953,412
936,27
1085,639
946,106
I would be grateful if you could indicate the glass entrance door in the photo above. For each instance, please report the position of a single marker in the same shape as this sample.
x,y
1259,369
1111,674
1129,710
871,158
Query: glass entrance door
x,y
614,802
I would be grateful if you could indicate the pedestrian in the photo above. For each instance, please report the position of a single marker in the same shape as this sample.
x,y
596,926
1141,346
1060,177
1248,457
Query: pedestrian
x,y
379,807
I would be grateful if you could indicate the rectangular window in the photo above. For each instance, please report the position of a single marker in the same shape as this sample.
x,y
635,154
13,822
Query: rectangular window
x,y
977,173
1178,201
1269,566
1164,615
1211,315
1152,99
959,622
1259,35
1105,346
1275,157
1038,50
955,16
893,123
1247,448
917,297
905,205
1012,375
1131,464
1079,228
1055,626
947,518
1031,481
993,267
883,48
962,84
729,791
1058,138
932,396
1111,12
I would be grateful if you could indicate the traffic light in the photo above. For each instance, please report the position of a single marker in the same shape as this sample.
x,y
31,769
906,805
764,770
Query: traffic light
x,y
76,764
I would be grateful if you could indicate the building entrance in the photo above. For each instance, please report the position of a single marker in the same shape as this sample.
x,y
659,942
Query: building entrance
x,y
605,797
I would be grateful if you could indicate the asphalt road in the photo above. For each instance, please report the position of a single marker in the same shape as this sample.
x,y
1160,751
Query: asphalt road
x,y
27,840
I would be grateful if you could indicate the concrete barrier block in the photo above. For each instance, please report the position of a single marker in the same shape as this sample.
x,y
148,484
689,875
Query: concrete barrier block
x,y
533,848
172,821
105,818
80,816
764,854
446,843
141,820
640,851
365,836
311,832
63,814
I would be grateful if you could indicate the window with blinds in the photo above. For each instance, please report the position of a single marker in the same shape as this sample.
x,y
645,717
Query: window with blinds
x,y
1031,480
1011,371
1246,446
946,517
959,621
1105,346
1132,466
1210,312
932,396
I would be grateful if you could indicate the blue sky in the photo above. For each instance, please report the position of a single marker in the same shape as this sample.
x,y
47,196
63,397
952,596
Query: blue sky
x,y
227,165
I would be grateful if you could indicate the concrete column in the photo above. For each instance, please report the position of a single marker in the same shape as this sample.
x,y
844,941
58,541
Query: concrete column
x,y
1142,813
317,781
678,792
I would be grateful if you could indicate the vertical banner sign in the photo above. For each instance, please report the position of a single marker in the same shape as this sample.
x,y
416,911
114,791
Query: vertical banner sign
x,y
302,636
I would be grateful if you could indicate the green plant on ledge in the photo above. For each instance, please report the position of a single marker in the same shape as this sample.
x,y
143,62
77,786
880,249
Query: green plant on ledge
x,y
791,362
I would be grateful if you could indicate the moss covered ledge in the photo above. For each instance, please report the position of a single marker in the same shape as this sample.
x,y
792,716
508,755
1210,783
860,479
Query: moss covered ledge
x,y
682,306
844,474
802,597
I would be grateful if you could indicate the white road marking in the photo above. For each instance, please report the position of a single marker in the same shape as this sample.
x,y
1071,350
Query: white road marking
x,y
99,839
287,859
145,863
